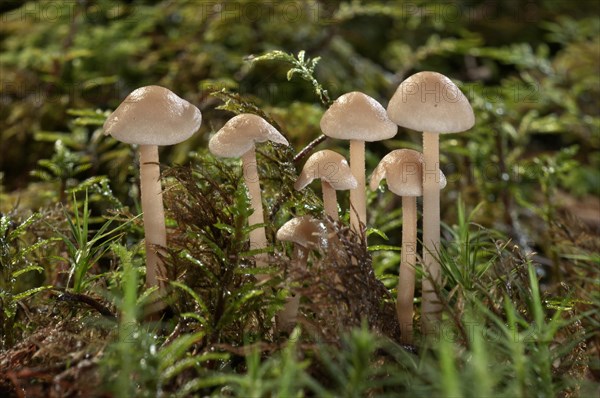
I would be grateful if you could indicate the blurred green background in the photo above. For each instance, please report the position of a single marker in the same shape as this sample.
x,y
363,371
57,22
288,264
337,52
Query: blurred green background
x,y
531,70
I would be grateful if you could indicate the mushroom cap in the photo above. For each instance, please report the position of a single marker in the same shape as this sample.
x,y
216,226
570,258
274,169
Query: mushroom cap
x,y
356,116
329,166
403,170
241,133
429,101
305,231
153,115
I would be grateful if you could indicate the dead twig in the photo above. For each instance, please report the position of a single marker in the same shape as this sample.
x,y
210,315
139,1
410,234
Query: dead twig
x,y
309,148
63,295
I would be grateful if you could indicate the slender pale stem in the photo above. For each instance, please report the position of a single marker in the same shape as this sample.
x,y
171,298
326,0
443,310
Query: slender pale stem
x,y
329,200
358,199
154,215
258,237
406,275
286,318
431,307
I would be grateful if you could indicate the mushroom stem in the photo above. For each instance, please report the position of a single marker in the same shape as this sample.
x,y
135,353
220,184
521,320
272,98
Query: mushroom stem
x,y
258,237
406,275
431,307
286,318
154,215
330,200
358,206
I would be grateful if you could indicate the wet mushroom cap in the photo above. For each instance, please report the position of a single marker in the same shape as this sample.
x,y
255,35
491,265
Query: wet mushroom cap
x,y
403,170
153,115
241,133
356,116
429,101
305,231
330,167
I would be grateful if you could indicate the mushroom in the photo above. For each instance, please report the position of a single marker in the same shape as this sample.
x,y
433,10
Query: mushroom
x,y
431,103
334,172
357,117
237,138
152,116
403,170
306,233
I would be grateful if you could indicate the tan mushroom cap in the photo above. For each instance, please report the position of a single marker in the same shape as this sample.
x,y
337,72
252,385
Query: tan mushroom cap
x,y
305,231
356,116
403,170
330,167
153,115
430,102
241,133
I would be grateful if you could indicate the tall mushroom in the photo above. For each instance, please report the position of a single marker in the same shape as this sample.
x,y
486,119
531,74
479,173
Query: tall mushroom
x,y
357,117
237,138
431,103
152,116
334,172
306,233
403,170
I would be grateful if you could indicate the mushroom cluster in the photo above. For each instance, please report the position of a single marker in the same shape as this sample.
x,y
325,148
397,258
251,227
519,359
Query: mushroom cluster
x,y
427,101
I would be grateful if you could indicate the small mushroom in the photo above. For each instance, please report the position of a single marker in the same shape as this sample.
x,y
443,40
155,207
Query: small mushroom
x,y
357,117
152,116
306,233
431,103
334,172
403,170
237,138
